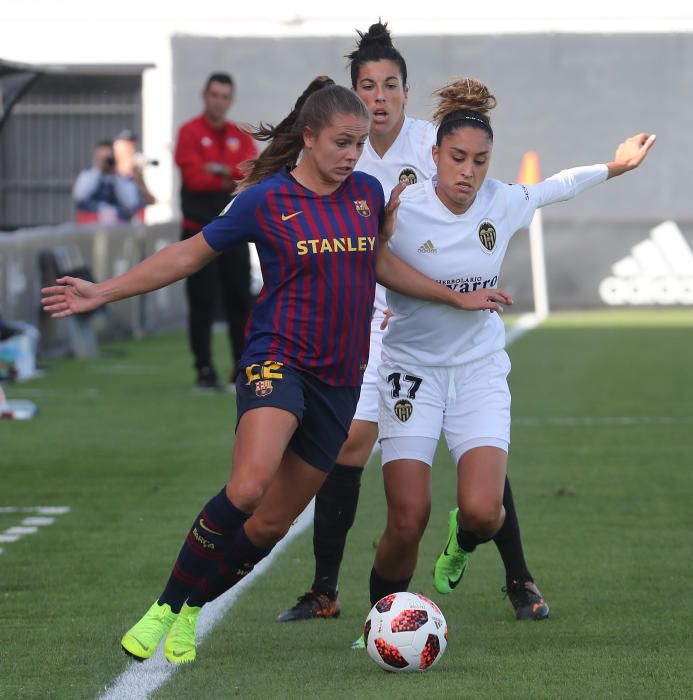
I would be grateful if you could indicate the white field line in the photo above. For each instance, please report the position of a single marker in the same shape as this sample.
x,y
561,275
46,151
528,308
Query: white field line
x,y
35,392
587,421
140,680
524,324
31,525
41,510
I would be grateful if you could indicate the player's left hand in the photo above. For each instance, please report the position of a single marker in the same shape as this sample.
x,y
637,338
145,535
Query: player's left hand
x,y
485,299
387,315
389,219
631,153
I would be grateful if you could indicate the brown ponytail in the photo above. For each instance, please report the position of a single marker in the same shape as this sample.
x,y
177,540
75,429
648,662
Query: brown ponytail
x,y
286,141
320,101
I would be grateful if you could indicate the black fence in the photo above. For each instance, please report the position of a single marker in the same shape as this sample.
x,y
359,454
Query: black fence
x,y
49,136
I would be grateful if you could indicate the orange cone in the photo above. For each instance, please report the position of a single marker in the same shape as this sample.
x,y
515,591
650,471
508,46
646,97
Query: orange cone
x,y
529,169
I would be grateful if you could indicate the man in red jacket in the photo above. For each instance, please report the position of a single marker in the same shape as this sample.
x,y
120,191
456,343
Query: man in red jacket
x,y
211,153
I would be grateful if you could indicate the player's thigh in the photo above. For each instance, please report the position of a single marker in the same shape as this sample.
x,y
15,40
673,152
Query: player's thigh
x,y
270,403
357,449
262,437
408,494
481,475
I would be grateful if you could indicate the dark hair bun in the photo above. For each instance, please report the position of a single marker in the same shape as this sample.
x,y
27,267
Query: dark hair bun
x,y
377,35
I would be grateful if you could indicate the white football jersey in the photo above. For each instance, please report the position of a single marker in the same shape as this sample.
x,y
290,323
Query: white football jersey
x,y
409,157
465,253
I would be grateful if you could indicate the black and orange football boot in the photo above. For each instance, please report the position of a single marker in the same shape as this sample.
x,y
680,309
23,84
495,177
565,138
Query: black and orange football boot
x,y
310,606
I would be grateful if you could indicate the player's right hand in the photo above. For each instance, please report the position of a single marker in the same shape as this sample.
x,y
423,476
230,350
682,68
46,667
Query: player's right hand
x,y
388,222
485,299
72,296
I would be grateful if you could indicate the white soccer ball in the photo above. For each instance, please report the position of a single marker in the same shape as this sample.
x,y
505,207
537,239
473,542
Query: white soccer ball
x,y
405,632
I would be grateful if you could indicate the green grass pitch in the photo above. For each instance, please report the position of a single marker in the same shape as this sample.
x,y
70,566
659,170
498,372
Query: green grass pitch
x,y
601,467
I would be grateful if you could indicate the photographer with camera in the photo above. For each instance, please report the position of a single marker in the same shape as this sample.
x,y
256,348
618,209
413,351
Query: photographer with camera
x,y
102,194
130,164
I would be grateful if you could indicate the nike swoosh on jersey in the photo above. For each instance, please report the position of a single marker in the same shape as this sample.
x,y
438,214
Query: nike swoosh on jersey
x,y
209,529
286,217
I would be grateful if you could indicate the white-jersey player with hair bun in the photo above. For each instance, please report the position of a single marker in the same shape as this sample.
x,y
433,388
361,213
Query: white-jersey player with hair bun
x,y
447,372
398,149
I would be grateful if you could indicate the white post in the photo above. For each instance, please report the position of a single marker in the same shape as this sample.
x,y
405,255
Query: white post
x,y
536,252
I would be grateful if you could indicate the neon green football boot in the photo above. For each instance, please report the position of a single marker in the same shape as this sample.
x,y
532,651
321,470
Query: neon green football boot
x,y
179,647
360,643
452,562
141,641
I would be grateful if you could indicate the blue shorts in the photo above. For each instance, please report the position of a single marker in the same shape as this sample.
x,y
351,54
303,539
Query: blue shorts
x,y
324,412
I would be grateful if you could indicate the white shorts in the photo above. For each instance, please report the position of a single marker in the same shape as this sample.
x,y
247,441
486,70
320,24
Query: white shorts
x,y
470,403
367,407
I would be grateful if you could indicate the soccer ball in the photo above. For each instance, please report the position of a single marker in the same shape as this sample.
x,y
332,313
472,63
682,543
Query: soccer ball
x,y
405,632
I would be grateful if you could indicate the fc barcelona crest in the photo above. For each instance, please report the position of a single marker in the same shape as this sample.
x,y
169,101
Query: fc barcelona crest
x,y
362,208
487,236
403,410
263,387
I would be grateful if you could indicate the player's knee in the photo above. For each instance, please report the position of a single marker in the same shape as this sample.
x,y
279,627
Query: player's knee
x,y
354,454
247,494
407,524
267,530
483,519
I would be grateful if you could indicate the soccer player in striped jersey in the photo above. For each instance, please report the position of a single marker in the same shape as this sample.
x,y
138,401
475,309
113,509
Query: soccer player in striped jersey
x,y
448,373
398,150
316,224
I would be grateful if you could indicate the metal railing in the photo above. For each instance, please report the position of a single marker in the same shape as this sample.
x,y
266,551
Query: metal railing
x,y
30,259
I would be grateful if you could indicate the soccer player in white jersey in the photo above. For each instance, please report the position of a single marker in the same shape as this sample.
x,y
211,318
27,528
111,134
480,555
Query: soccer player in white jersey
x,y
448,372
399,148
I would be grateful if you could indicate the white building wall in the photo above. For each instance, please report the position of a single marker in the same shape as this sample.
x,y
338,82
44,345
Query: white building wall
x,y
83,32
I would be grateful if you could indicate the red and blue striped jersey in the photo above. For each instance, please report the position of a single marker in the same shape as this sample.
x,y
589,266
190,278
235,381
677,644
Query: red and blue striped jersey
x,y
317,255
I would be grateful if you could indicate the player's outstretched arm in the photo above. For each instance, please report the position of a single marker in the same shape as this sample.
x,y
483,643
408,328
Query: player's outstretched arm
x,y
395,274
630,154
176,261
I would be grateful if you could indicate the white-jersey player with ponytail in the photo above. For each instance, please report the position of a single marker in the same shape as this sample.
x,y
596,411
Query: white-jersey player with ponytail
x,y
446,372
